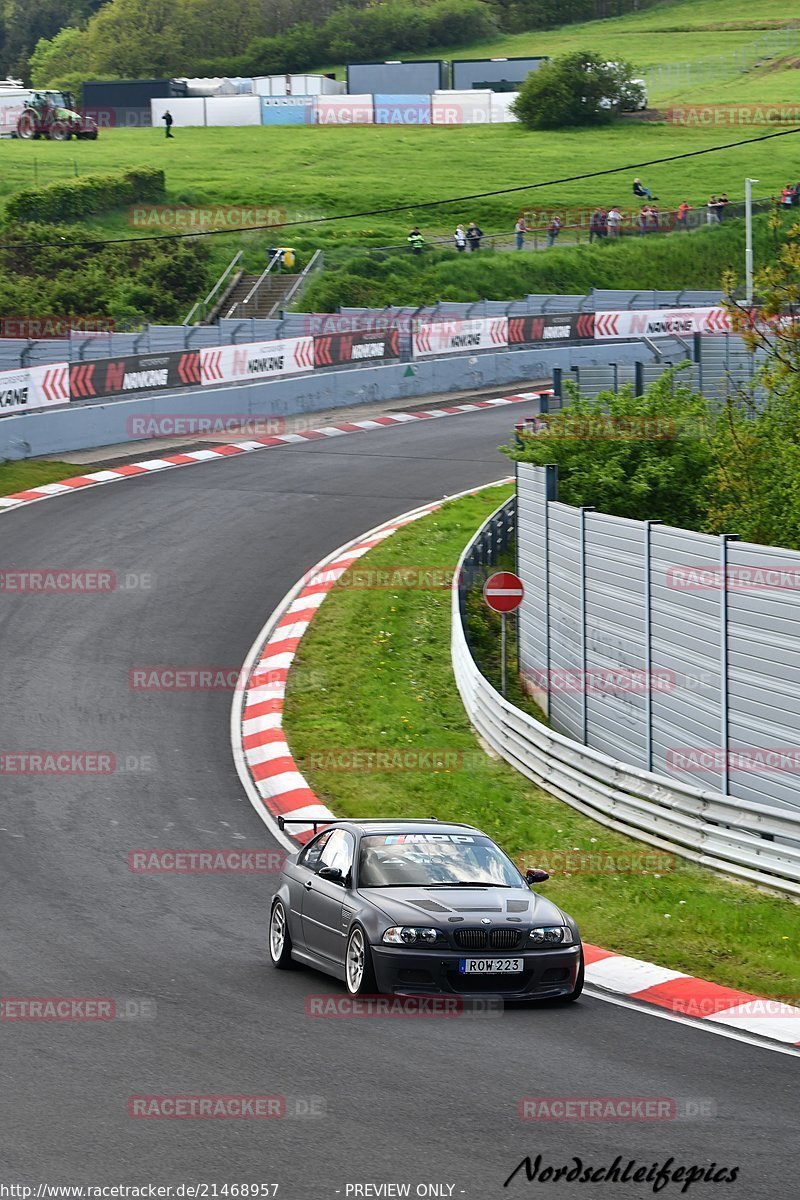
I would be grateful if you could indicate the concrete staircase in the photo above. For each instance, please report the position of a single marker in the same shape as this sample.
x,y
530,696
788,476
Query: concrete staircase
x,y
266,301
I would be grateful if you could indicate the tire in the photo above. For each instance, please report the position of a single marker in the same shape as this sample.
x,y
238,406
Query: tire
x,y
359,973
26,128
58,132
280,942
576,991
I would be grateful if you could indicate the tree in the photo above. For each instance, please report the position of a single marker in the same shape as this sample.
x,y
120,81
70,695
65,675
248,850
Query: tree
x,y
633,456
576,89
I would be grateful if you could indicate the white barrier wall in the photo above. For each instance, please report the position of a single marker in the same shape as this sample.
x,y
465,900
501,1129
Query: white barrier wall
x,y
501,107
185,111
233,110
345,110
462,108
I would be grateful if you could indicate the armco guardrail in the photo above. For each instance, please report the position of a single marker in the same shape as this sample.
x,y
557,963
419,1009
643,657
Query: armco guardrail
x,y
741,838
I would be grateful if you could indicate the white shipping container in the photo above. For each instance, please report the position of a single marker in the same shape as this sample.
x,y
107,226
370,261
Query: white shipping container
x,y
233,110
185,111
462,107
12,102
501,106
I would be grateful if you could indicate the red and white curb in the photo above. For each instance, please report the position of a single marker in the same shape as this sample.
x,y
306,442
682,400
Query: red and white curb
x,y
151,465
276,787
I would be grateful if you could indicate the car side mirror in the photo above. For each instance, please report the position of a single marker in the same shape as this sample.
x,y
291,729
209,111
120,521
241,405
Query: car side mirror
x,y
332,874
536,876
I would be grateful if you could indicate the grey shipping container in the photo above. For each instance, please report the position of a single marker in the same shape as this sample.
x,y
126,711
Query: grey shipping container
x,y
126,102
397,78
499,74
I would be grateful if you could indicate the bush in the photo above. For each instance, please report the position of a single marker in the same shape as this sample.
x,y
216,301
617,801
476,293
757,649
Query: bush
x,y
85,196
576,89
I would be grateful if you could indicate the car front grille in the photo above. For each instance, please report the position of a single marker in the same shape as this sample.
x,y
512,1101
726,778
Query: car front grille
x,y
470,939
504,939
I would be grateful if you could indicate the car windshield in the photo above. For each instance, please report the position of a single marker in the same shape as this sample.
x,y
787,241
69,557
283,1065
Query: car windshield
x,y
57,99
434,860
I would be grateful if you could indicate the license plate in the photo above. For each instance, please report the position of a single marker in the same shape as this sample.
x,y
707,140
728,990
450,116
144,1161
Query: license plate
x,y
490,966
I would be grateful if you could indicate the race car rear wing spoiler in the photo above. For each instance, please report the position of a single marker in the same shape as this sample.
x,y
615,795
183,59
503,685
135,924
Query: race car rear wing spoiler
x,y
322,821
284,821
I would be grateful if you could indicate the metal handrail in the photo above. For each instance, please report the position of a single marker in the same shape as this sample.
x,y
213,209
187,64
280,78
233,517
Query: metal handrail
x,y
203,304
240,304
314,264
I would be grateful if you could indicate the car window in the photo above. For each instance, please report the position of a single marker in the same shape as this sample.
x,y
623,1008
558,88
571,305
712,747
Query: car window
x,y
338,851
311,855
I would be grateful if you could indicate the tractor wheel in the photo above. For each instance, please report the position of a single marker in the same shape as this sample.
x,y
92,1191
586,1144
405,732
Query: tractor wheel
x,y
59,132
26,127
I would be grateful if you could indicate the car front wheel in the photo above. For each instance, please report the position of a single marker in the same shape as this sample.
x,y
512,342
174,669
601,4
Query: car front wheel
x,y
359,971
280,942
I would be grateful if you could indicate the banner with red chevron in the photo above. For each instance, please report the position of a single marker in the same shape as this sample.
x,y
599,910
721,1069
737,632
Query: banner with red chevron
x,y
551,327
33,387
660,322
133,373
459,337
333,350
256,360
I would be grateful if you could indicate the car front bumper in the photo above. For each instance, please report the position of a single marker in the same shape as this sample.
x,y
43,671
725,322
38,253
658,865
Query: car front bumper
x,y
546,974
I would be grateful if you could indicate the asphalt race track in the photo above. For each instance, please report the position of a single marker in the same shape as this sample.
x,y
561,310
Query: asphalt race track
x,y
407,1101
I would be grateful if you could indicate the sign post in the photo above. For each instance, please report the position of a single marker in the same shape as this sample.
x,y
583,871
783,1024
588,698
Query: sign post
x,y
503,592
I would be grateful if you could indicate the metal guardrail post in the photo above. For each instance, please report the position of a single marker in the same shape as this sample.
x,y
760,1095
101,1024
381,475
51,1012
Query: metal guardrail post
x,y
724,538
648,644
584,656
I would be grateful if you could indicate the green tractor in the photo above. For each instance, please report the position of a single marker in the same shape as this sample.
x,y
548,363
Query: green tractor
x,y
51,115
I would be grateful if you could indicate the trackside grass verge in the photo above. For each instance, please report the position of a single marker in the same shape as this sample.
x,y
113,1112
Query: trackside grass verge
x,y
19,476
383,682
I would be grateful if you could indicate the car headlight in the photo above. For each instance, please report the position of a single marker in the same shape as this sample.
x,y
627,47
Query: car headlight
x,y
409,935
551,935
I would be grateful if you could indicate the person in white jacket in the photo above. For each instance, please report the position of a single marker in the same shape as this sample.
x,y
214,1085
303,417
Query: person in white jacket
x,y
460,238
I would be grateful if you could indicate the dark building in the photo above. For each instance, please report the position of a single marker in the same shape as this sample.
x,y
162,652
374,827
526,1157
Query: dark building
x,y
499,74
397,78
126,102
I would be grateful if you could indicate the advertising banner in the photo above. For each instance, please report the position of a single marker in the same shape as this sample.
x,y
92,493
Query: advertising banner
x,y
660,322
33,387
345,110
256,360
551,327
133,373
460,337
339,348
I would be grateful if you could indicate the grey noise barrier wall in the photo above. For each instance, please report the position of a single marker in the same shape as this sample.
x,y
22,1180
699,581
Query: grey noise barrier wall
x,y
91,424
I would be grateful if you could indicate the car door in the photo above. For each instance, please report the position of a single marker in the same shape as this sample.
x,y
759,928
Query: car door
x,y
323,899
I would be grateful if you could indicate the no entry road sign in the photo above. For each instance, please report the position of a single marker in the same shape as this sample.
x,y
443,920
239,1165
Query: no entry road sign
x,y
503,591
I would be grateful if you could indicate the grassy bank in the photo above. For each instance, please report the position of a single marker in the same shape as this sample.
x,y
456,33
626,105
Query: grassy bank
x,y
18,476
384,655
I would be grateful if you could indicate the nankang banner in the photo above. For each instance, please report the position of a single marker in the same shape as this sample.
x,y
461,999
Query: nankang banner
x,y
133,373
33,387
339,349
660,322
459,337
256,360
550,327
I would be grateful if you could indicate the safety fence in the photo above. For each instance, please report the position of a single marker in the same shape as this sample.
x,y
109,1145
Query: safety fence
x,y
752,840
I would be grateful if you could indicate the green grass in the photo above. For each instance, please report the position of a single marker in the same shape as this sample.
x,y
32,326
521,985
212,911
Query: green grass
x,y
384,659
19,476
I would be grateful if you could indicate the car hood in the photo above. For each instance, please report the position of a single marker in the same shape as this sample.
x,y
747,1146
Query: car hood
x,y
467,906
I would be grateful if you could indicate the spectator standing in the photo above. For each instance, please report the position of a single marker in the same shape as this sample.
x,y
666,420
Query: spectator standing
x,y
167,119
597,225
787,196
614,221
641,191
797,193
643,220
474,235
684,208
553,230
460,238
520,229
713,211
723,204
416,241
654,219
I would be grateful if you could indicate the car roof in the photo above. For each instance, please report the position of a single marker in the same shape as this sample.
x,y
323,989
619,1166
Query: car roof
x,y
404,825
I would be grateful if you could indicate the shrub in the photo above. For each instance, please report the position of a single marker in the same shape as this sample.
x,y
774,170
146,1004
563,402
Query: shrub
x,y
576,89
87,195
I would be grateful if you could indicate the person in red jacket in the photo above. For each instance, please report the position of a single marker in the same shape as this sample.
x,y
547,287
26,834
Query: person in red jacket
x,y
683,214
